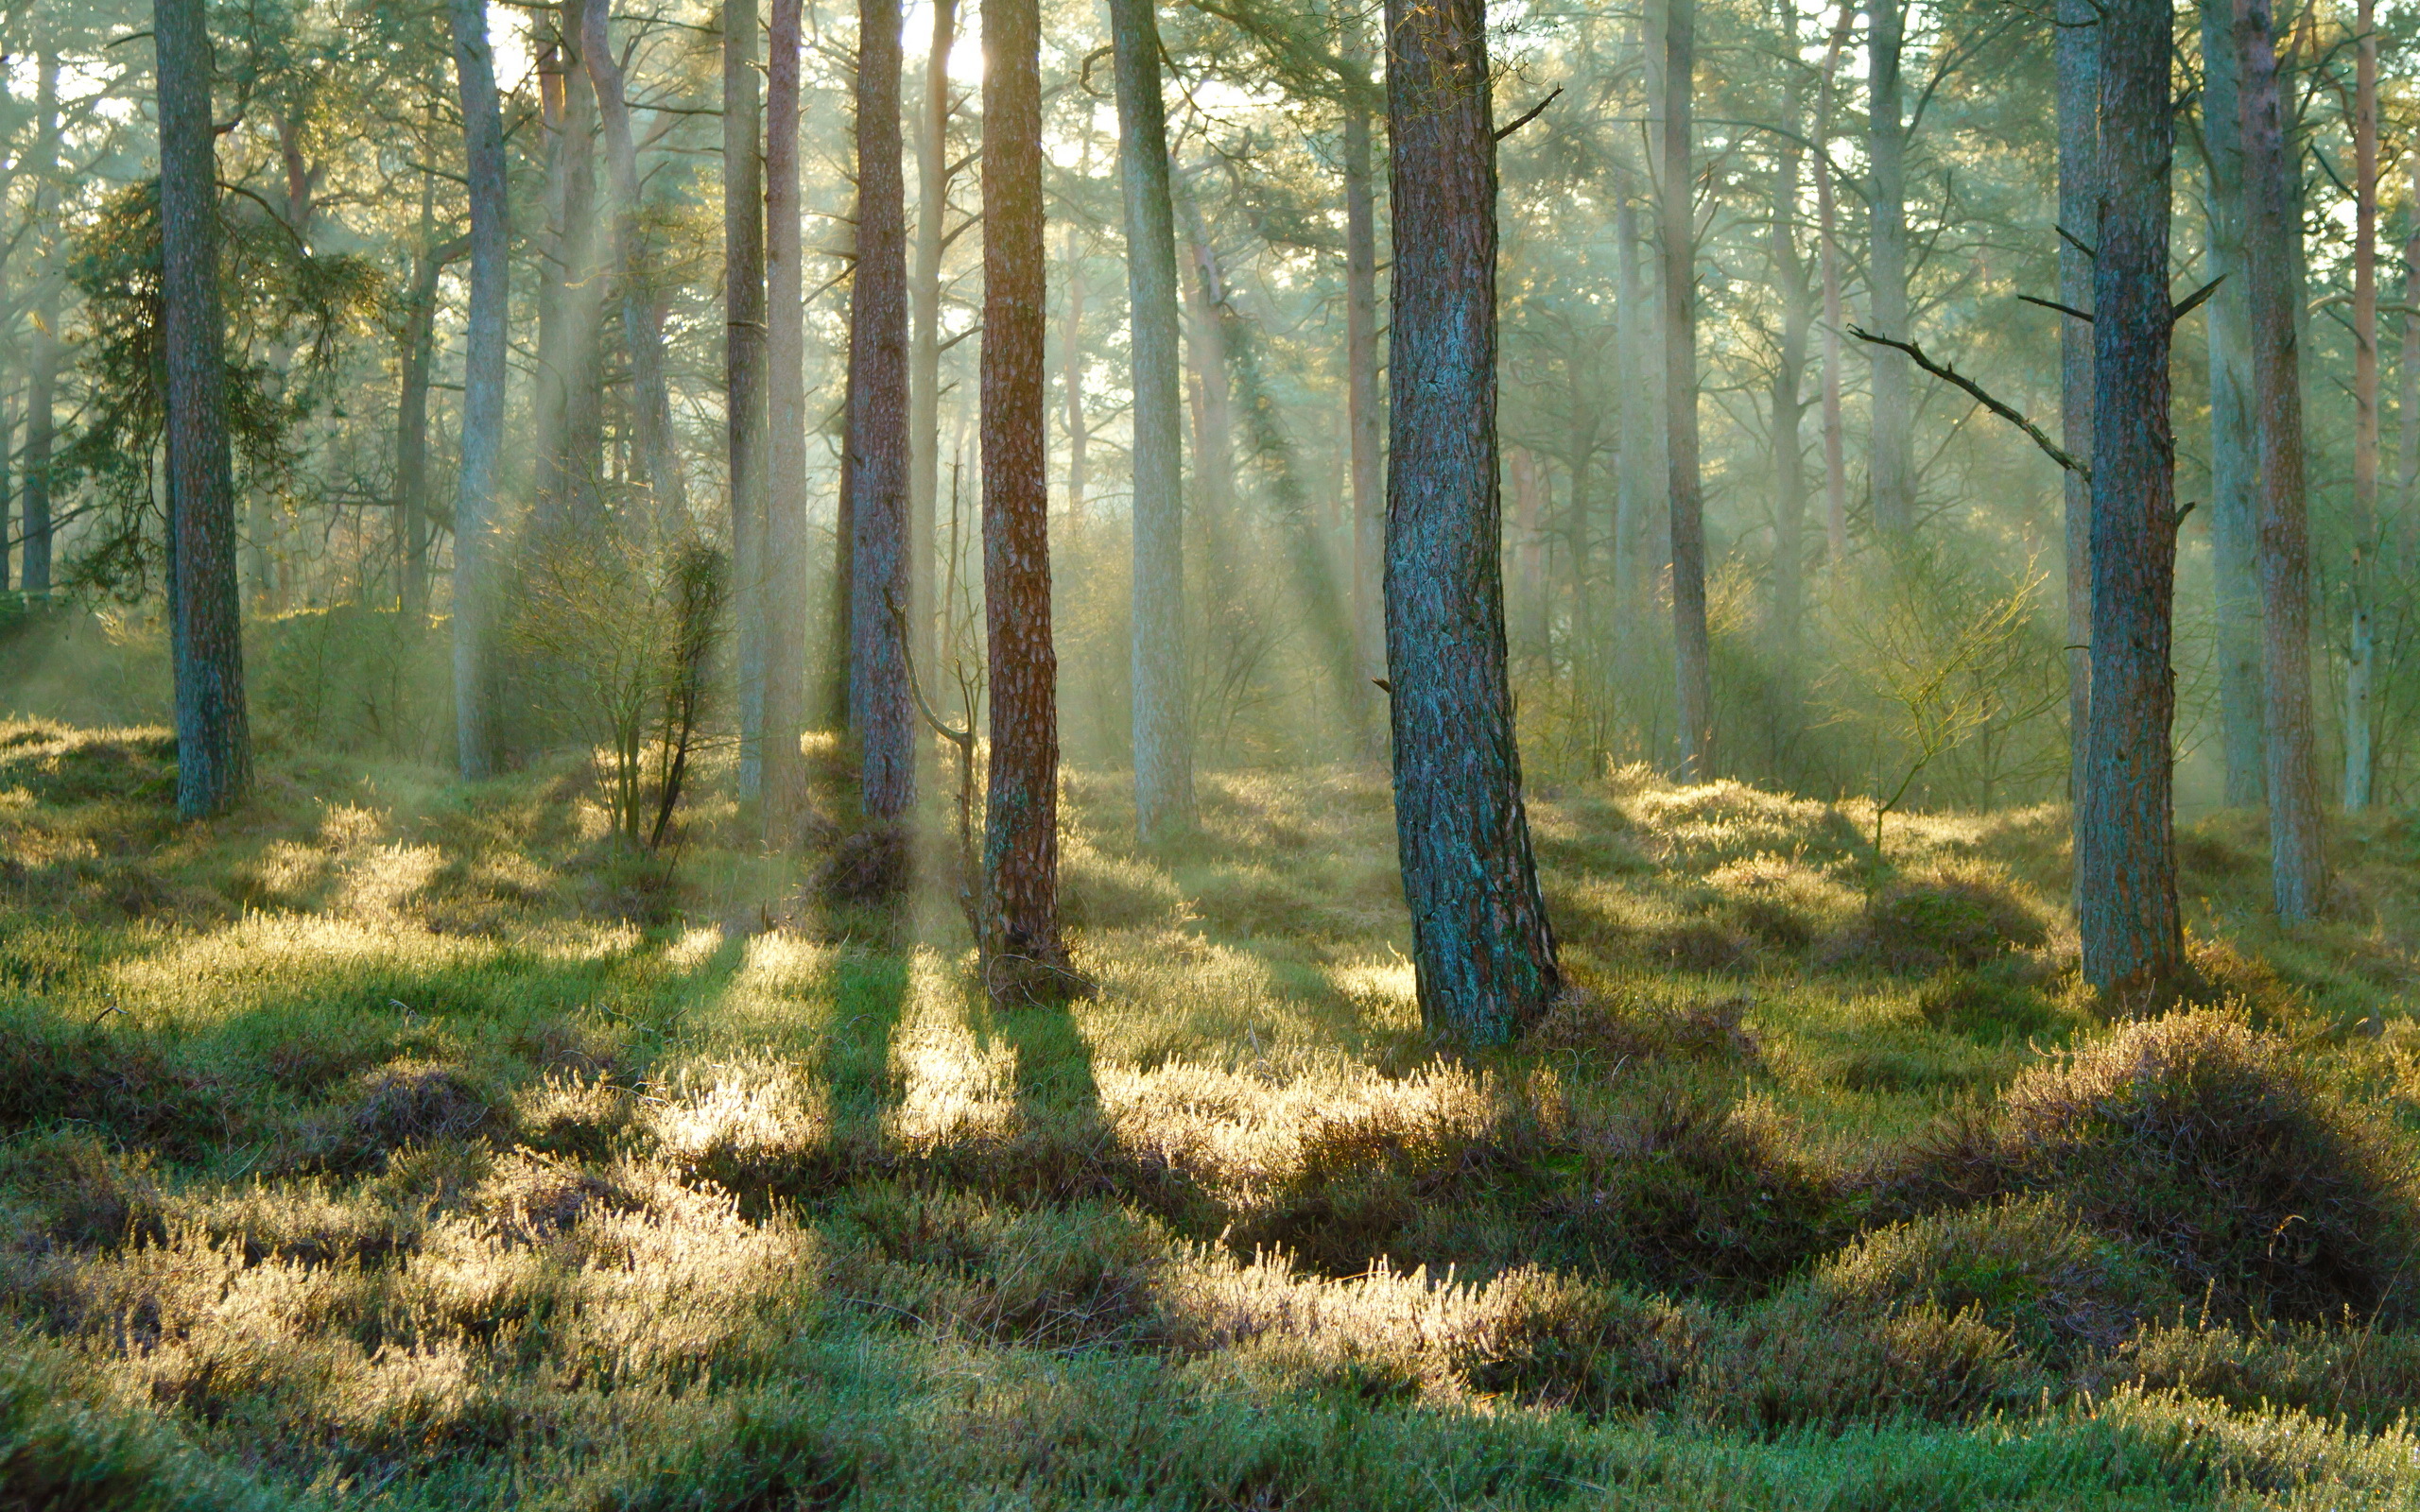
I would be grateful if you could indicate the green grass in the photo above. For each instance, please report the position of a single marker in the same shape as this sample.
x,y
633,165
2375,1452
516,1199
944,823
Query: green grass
x,y
402,1144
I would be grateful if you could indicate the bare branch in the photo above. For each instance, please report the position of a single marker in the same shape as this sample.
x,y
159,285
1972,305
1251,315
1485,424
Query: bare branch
x,y
1951,375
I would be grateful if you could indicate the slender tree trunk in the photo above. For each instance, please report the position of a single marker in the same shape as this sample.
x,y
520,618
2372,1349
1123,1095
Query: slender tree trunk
x,y
925,350
882,709
411,407
783,591
1071,382
482,440
642,320
1362,417
1027,958
206,643
2078,51
1483,953
1213,464
579,456
744,342
1788,406
1892,471
2125,840
1163,804
7,494
549,390
42,374
2297,855
1836,471
2408,372
1692,657
2359,669
1636,323
2234,462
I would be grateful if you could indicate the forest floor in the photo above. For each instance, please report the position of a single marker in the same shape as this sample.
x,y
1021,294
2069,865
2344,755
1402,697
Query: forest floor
x,y
405,1144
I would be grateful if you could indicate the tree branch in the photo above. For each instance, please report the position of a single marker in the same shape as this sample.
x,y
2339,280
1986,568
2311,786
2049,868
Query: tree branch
x,y
1951,375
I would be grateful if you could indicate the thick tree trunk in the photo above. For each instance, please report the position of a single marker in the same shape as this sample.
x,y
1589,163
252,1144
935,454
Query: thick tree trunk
x,y
206,643
924,348
2359,669
2133,939
2234,462
882,709
1483,954
41,371
1788,406
1164,804
1362,417
784,571
1025,958
1836,471
2078,51
482,441
642,319
2297,857
1892,471
1693,664
744,339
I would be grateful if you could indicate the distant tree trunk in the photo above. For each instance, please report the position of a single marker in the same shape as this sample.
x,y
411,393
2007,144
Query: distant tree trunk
x,y
882,712
1164,804
2125,839
41,371
2407,369
838,670
548,392
744,341
642,320
1641,474
1787,402
2359,666
577,465
1027,957
1071,383
411,407
1483,953
1363,418
924,348
1214,459
2078,52
2297,856
7,494
1836,472
482,440
206,641
1892,470
1692,657
2234,462
784,569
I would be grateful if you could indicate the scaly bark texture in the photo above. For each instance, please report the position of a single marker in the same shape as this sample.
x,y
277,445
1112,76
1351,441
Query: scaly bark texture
x,y
882,709
1483,954
1892,465
743,242
2297,860
1025,956
482,438
784,576
2234,462
2133,939
1163,801
206,645
1692,658
2360,665
2078,50
1364,436
925,341
42,374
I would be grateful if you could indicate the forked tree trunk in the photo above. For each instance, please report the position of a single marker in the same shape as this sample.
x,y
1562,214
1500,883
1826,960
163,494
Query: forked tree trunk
x,y
2361,663
881,706
1693,663
744,338
2234,462
1027,957
1483,954
1890,474
925,348
1163,804
2078,52
783,574
206,647
2297,860
2132,940
483,373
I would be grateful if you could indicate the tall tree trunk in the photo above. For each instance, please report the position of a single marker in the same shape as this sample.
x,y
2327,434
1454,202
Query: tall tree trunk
x,y
547,389
744,341
1213,420
2125,839
7,494
1640,478
576,463
1071,382
482,441
924,348
1892,471
206,641
1026,959
1483,953
41,374
412,406
2297,855
1693,663
783,574
1363,418
882,712
642,319
1788,405
1163,804
2407,371
2234,462
2078,52
1836,470
2359,668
